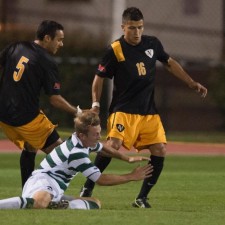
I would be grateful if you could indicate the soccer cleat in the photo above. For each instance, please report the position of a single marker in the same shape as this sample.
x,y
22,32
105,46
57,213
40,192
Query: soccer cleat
x,y
85,192
63,204
141,203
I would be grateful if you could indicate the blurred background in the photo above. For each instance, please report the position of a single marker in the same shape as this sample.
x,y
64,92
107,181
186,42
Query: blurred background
x,y
191,31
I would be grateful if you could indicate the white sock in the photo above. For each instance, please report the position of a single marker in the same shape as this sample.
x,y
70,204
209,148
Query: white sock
x,y
77,204
10,203
82,204
16,203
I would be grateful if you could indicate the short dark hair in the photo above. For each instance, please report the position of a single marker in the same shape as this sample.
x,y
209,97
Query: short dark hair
x,y
48,27
85,120
132,13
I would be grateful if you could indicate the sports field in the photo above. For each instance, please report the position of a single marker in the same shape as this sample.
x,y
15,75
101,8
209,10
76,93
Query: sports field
x,y
191,190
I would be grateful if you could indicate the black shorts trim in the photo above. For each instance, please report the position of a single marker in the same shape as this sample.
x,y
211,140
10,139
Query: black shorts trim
x,y
52,138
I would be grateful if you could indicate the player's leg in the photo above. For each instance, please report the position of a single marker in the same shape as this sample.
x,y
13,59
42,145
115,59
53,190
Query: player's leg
x,y
157,161
52,141
40,200
152,136
27,157
84,203
76,203
43,189
121,128
16,203
40,133
27,162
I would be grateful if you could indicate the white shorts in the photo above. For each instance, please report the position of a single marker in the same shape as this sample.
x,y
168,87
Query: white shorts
x,y
42,182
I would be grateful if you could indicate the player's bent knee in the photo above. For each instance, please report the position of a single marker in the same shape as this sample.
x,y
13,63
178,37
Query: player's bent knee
x,y
158,150
29,148
38,204
41,200
114,143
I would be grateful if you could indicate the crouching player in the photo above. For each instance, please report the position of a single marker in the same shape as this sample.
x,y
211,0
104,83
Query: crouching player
x,y
46,187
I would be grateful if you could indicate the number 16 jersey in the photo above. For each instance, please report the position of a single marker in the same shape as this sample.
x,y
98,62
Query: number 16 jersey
x,y
133,70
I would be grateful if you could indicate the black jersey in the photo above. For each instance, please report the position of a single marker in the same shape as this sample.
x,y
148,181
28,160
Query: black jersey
x,y
27,68
133,70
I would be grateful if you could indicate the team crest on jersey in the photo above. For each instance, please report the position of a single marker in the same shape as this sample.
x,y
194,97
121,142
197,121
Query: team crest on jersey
x,y
49,188
101,68
57,86
120,127
149,52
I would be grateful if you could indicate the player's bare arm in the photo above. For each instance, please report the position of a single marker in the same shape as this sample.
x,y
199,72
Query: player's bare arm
x,y
111,152
139,173
59,102
176,69
96,93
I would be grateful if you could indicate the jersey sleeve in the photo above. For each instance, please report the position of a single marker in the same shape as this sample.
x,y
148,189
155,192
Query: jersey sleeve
x,y
107,65
86,167
94,175
162,56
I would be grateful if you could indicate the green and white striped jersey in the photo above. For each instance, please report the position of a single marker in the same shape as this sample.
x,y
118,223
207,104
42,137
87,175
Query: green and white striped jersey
x,y
67,159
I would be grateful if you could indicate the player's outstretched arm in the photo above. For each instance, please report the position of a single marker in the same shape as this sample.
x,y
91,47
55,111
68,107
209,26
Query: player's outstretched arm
x,y
139,173
111,152
176,69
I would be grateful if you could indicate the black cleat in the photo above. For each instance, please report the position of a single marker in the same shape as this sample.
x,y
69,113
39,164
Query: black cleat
x,y
85,192
141,203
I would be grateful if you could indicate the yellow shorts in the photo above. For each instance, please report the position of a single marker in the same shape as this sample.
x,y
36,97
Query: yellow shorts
x,y
136,130
35,133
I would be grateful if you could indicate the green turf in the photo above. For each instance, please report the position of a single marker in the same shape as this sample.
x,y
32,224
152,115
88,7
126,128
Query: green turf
x,y
200,136
191,190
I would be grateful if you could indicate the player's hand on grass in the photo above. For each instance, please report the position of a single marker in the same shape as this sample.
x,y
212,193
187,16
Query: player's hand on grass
x,y
142,172
133,159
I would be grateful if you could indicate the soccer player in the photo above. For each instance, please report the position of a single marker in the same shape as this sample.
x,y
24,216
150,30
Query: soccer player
x,y
45,188
28,67
133,118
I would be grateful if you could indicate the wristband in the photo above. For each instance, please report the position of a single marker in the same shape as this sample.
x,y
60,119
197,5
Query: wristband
x,y
79,110
95,104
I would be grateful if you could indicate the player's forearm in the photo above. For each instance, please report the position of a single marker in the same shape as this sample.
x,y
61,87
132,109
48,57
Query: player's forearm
x,y
112,179
111,152
59,102
176,69
97,88
139,173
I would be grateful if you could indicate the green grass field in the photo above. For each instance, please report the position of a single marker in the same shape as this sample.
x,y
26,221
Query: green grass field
x,y
191,190
203,137
185,136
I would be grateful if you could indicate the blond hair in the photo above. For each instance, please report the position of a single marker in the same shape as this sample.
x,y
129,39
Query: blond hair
x,y
86,119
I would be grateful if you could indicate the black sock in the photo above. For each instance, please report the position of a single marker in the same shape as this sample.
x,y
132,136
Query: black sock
x,y
27,164
148,183
101,162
